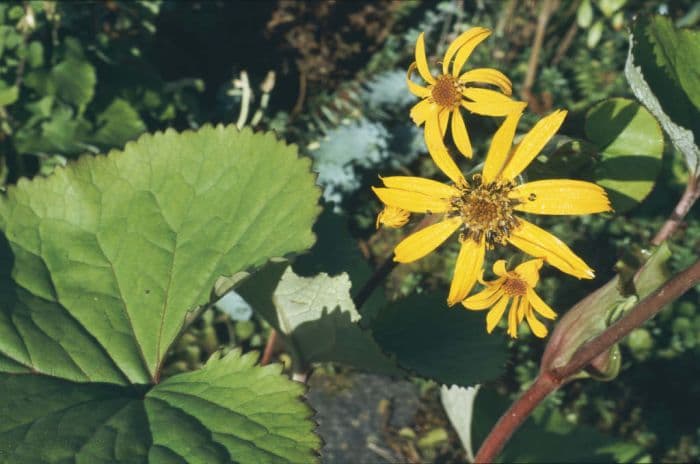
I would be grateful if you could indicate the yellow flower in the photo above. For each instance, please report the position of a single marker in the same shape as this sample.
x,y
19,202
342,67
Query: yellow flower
x,y
445,93
483,209
392,216
518,284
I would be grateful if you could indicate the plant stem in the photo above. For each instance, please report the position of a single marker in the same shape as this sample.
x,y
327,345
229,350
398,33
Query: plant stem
x,y
545,12
269,348
548,381
514,417
688,199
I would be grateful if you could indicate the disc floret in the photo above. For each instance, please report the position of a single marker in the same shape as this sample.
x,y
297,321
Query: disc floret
x,y
486,211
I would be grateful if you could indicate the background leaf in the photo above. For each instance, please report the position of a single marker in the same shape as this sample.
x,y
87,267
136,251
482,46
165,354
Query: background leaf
x,y
662,71
317,317
626,135
229,411
450,346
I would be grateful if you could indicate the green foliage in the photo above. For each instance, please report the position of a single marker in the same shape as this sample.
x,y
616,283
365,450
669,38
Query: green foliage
x,y
661,71
102,264
229,411
316,317
450,346
626,134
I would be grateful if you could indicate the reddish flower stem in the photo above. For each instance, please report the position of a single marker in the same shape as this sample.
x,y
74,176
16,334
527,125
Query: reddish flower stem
x,y
269,348
688,199
548,381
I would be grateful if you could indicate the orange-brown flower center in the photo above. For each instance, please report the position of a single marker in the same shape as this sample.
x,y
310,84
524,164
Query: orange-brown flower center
x,y
486,211
446,91
514,286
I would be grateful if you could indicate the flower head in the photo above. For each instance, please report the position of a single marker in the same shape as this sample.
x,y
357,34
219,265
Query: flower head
x,y
517,285
447,92
484,209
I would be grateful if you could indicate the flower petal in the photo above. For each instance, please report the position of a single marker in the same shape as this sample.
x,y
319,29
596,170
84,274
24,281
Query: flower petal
x,y
463,46
469,263
537,327
485,298
422,185
415,89
533,142
529,271
522,308
561,196
460,135
411,201
419,244
499,267
438,151
513,319
501,145
444,120
541,244
421,111
539,305
496,313
422,61
488,76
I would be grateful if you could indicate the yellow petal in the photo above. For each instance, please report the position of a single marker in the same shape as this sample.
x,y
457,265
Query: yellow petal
x,y
496,313
438,151
522,308
459,133
561,196
422,61
415,89
536,326
500,147
499,267
529,271
513,320
422,185
541,244
488,76
533,142
424,241
539,305
411,201
478,95
469,263
422,111
463,46
444,120
485,298
392,216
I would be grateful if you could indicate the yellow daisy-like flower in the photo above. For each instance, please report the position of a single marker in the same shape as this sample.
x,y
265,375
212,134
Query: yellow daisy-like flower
x,y
392,216
446,93
483,209
518,285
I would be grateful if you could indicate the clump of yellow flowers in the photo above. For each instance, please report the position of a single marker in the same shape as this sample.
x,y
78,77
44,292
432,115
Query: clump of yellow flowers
x,y
482,210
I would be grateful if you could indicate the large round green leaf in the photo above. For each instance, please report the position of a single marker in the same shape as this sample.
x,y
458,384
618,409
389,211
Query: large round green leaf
x,y
448,345
631,144
103,260
230,411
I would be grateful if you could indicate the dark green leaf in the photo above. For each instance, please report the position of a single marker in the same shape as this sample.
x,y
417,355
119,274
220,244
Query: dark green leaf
x,y
117,124
230,411
631,145
448,345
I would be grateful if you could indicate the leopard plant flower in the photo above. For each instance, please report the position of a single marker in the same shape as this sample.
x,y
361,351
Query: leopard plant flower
x,y
483,209
517,285
446,93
